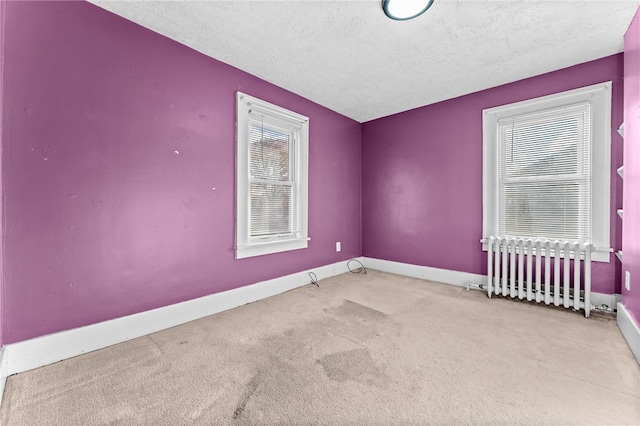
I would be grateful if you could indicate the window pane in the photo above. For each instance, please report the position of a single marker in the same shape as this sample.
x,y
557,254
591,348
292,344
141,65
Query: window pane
x,y
269,152
271,209
544,210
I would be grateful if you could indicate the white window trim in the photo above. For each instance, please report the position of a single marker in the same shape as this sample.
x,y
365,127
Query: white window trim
x,y
245,246
599,96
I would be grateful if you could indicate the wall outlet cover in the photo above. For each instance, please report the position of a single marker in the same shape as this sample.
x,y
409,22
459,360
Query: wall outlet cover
x,y
627,280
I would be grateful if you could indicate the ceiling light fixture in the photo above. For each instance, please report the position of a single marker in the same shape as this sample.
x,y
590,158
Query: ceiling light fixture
x,y
401,10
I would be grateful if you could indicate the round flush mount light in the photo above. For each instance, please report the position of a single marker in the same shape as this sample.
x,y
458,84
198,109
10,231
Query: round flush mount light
x,y
401,10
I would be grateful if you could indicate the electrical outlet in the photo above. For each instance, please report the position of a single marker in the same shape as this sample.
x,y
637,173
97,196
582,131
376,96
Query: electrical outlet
x,y
627,280
338,247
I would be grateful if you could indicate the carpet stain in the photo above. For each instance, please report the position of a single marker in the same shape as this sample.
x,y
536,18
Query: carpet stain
x,y
246,396
353,309
358,323
355,364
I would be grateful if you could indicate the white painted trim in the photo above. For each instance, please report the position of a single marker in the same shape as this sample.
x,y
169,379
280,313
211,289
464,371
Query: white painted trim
x,y
599,299
630,330
40,351
3,375
425,272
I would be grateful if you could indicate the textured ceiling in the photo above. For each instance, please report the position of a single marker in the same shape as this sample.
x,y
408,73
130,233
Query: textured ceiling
x,y
349,57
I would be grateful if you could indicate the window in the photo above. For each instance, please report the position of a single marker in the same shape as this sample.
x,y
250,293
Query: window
x,y
546,168
271,180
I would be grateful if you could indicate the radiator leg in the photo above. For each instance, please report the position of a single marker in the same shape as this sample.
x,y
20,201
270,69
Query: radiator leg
x,y
529,269
520,269
567,274
547,272
538,270
556,273
587,280
490,267
576,277
505,270
512,269
496,270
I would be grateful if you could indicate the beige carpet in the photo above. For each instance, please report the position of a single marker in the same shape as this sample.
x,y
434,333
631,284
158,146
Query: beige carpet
x,y
361,349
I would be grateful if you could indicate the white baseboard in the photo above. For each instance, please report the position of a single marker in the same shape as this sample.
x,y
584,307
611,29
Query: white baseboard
x,y
611,300
425,272
461,278
630,330
3,375
40,351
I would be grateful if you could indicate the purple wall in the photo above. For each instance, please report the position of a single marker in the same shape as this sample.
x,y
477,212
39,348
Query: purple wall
x,y
422,175
2,38
631,204
119,172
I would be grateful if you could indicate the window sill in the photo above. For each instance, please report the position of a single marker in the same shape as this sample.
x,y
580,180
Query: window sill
x,y
600,254
259,249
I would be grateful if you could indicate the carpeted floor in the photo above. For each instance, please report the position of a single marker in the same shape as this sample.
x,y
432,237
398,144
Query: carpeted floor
x,y
361,349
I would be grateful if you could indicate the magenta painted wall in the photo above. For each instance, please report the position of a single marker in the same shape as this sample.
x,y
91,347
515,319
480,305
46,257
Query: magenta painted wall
x,y
118,155
2,38
631,192
422,175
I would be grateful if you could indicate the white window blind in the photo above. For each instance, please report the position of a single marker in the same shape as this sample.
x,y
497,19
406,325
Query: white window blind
x,y
544,181
273,188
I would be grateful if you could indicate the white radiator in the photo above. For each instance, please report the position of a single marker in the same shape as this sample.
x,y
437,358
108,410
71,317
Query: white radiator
x,y
511,271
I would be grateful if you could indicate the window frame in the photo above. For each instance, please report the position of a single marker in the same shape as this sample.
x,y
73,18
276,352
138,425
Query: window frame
x,y
246,245
599,97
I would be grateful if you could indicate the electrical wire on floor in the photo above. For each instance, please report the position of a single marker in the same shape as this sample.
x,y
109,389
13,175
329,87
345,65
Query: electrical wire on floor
x,y
358,270
314,279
